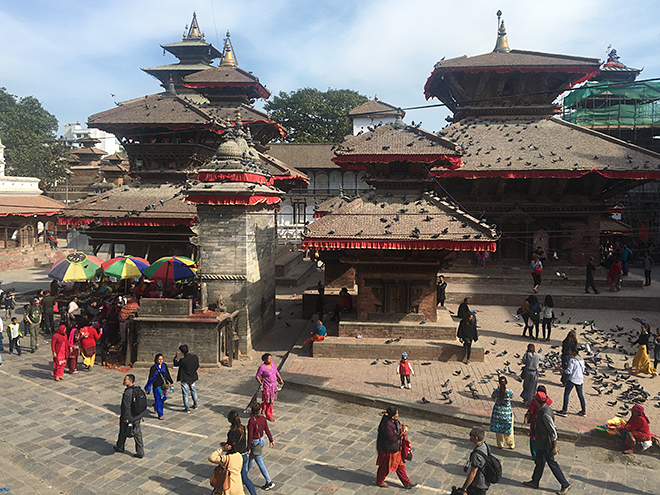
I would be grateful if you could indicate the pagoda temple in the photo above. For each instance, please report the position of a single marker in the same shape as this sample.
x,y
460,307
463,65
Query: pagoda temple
x,y
388,246
194,55
168,136
543,181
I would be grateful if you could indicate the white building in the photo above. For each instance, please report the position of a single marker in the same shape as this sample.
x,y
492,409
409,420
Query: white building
x,y
73,132
373,113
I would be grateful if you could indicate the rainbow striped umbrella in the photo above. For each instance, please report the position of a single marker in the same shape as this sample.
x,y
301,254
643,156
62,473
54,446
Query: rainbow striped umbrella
x,y
76,267
125,267
171,268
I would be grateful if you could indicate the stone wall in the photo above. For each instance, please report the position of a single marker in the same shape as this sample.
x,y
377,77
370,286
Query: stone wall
x,y
237,262
165,334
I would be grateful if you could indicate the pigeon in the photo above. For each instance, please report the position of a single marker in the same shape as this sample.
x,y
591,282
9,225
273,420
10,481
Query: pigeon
x,y
375,362
502,353
467,377
494,342
444,385
398,339
387,361
425,363
457,372
422,322
424,401
287,323
389,341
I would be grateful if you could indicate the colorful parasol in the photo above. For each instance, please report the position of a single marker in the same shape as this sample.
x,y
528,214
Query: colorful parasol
x,y
125,267
171,268
76,267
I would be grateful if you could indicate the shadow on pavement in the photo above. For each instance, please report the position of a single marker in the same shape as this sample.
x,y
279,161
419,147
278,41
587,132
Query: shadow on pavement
x,y
42,371
610,485
382,385
344,475
180,485
92,444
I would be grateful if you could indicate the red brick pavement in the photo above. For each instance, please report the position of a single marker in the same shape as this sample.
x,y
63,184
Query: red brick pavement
x,y
381,381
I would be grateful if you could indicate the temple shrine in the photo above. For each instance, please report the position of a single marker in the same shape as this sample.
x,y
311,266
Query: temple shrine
x,y
543,181
387,247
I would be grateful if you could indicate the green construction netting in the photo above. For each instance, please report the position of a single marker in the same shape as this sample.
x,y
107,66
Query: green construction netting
x,y
629,104
636,91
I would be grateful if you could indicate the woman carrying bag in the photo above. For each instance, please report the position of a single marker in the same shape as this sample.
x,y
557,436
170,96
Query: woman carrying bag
x,y
160,379
226,479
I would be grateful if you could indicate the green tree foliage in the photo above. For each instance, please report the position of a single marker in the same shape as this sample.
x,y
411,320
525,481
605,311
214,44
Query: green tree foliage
x,y
313,116
29,133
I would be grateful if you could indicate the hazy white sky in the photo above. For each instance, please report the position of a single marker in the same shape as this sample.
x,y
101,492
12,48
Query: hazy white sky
x,y
72,55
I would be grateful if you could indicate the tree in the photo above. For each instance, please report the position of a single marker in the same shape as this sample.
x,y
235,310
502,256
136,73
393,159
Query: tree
x,y
312,116
29,133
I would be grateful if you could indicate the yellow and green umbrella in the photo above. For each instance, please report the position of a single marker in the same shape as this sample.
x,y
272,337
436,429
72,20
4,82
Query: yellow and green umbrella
x,y
125,267
76,267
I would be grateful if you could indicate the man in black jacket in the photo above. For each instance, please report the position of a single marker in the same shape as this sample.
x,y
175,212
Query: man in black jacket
x,y
591,282
545,432
188,366
467,333
126,418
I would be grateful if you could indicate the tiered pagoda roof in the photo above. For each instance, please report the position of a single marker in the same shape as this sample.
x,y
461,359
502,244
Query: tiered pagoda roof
x,y
396,142
512,147
506,81
613,70
150,205
194,55
236,175
401,222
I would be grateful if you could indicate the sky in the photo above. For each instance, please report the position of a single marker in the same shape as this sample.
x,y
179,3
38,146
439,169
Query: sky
x,y
74,55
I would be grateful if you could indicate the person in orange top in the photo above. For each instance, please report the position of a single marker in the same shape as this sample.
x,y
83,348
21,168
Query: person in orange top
x,y
131,307
60,346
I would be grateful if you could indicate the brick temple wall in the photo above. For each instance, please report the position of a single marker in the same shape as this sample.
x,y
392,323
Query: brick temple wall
x,y
237,246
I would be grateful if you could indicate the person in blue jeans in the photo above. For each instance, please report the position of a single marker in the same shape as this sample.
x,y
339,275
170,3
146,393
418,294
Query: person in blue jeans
x,y
242,448
187,375
257,427
625,259
574,379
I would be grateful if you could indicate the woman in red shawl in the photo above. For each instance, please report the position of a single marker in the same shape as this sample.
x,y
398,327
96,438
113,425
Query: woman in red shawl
x,y
88,337
60,347
388,444
614,275
636,431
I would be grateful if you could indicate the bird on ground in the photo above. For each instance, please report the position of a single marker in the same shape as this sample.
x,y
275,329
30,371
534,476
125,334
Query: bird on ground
x,y
375,362
444,385
424,401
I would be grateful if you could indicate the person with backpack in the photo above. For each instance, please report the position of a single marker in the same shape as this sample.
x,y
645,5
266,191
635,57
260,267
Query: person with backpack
x,y
480,463
133,406
545,434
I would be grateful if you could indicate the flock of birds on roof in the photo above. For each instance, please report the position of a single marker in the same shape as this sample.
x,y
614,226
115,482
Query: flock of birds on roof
x,y
418,201
414,128
459,133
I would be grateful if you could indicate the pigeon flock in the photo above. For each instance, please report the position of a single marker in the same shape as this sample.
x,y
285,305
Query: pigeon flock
x,y
606,353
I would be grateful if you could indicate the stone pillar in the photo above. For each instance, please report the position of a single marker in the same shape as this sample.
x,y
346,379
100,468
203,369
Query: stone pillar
x,y
237,262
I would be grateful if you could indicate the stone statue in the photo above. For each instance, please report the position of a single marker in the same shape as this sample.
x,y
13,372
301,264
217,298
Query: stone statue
x,y
221,305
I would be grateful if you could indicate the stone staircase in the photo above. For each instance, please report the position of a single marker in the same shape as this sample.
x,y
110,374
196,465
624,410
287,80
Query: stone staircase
x,y
291,268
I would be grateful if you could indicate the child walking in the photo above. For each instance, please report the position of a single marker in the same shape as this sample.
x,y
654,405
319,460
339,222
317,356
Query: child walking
x,y
405,370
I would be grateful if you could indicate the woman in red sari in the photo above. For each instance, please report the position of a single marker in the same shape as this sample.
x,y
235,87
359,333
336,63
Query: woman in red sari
x,y
636,431
88,337
388,445
60,347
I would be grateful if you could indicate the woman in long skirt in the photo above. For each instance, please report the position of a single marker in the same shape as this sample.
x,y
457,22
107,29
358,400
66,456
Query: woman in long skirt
x,y
388,445
60,348
88,337
74,342
501,420
268,376
530,362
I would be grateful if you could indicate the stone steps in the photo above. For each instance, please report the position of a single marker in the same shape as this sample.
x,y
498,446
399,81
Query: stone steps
x,y
291,268
524,278
373,348
570,297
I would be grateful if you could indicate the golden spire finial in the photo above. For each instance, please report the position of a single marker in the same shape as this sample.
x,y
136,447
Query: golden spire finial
x,y
194,31
502,44
228,55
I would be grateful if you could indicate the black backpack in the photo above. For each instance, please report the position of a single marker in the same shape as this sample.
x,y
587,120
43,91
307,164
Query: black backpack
x,y
493,468
139,403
